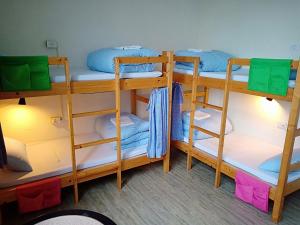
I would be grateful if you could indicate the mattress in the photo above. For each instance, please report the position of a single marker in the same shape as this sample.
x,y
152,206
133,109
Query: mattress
x,y
241,75
246,153
57,75
53,158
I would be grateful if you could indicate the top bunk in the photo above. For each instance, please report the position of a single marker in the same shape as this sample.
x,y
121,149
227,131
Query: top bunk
x,y
238,81
87,81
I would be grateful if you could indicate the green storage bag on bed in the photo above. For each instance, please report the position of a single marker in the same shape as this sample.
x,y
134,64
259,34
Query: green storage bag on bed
x,y
269,75
15,77
14,73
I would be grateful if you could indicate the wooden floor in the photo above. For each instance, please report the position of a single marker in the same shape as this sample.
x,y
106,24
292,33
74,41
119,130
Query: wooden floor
x,y
151,197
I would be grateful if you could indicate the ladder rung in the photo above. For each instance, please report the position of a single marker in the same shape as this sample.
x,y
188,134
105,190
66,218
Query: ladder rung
x,y
209,106
198,94
95,171
92,143
206,131
98,113
297,133
142,99
295,166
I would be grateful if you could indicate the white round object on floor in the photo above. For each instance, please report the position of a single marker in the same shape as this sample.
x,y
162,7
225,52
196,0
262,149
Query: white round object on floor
x,y
70,220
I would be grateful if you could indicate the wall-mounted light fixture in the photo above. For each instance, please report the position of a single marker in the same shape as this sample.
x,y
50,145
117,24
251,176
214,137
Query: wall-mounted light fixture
x,y
22,101
269,99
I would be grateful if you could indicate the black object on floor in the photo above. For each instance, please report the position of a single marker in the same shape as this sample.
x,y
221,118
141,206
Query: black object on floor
x,y
65,217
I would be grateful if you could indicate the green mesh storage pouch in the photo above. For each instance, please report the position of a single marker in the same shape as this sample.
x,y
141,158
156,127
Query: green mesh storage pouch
x,y
15,77
15,70
269,75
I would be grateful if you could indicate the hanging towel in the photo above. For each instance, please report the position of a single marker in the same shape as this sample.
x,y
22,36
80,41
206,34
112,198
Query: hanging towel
x,y
158,119
39,195
269,75
177,100
3,155
252,190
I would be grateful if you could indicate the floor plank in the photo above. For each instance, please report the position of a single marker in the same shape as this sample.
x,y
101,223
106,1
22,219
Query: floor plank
x,y
151,197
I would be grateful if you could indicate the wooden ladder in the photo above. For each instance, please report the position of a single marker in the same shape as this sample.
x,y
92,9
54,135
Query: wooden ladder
x,y
292,132
77,147
205,104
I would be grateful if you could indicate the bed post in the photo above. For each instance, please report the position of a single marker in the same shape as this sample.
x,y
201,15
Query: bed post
x,y
287,151
206,95
70,120
168,69
118,126
192,113
133,101
223,125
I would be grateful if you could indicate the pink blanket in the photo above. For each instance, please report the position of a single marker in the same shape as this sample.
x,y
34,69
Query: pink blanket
x,y
252,190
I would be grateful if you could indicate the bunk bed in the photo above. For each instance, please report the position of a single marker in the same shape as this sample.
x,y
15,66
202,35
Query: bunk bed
x,y
87,159
223,152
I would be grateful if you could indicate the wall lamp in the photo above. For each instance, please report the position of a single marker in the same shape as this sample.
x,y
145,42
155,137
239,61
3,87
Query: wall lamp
x,y
22,101
269,99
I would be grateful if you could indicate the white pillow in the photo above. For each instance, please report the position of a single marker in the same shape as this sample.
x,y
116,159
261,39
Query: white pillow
x,y
16,155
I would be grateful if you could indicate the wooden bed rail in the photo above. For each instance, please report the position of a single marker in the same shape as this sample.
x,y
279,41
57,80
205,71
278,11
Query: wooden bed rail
x,y
57,60
294,166
142,60
142,99
190,59
246,62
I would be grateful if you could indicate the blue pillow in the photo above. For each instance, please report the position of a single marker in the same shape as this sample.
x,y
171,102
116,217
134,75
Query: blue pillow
x,y
103,60
273,164
211,61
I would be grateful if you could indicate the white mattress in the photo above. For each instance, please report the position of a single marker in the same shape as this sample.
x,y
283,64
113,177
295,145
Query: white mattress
x,y
241,75
53,158
247,154
57,74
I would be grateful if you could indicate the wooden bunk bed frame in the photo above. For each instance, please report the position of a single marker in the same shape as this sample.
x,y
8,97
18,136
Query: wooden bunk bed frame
x,y
78,87
282,189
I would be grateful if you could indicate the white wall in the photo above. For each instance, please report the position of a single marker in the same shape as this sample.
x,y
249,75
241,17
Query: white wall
x,y
256,28
260,28
83,26
80,27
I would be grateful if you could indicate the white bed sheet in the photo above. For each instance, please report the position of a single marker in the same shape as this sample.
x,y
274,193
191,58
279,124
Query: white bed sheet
x,y
246,153
241,75
57,75
52,158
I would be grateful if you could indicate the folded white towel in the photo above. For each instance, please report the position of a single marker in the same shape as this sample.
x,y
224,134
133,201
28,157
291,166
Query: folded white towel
x,y
199,115
199,50
124,121
127,47
195,50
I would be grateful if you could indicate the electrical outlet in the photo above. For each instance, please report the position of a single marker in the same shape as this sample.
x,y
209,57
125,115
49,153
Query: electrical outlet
x,y
56,120
282,125
51,44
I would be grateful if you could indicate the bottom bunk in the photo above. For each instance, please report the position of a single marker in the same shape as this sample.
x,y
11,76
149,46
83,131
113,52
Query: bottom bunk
x,y
52,158
241,153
